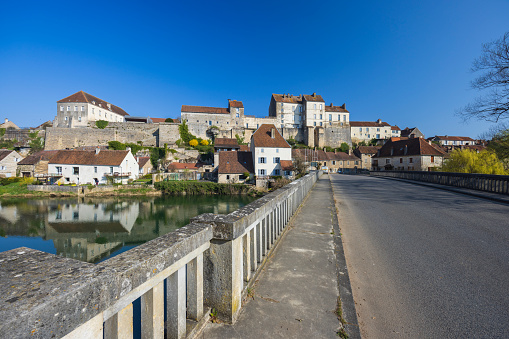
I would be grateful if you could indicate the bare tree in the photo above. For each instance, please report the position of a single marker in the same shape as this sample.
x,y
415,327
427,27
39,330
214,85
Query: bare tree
x,y
493,105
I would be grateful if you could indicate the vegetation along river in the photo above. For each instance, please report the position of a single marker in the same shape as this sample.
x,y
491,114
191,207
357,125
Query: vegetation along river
x,y
94,229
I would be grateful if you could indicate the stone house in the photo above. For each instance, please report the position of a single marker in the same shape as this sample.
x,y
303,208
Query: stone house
x,y
365,153
395,132
145,165
447,140
35,165
93,167
8,124
233,166
368,130
414,154
79,109
268,148
413,132
9,163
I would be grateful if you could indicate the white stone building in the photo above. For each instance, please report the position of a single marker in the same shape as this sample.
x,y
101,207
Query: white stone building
x,y
454,140
81,108
93,167
368,130
268,149
9,163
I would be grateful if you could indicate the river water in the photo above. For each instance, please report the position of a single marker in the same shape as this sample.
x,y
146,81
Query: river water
x,y
94,229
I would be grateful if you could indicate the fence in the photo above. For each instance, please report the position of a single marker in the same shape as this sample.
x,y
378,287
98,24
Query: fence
x,y
209,262
481,182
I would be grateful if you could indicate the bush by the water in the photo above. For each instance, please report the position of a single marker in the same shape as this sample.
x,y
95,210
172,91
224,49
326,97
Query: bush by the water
x,y
202,187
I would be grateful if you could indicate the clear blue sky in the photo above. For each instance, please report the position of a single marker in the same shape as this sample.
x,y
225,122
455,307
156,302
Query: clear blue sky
x,y
406,62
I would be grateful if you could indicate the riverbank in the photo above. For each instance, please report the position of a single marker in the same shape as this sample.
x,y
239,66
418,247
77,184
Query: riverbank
x,y
204,188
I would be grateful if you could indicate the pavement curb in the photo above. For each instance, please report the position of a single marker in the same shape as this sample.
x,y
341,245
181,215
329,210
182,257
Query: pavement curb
x,y
344,287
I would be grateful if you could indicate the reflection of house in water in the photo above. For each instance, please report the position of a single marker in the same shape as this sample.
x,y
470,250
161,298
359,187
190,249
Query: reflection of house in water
x,y
9,213
90,231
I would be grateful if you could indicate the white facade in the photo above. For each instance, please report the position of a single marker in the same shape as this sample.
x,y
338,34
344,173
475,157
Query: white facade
x,y
366,133
79,114
266,160
96,174
9,164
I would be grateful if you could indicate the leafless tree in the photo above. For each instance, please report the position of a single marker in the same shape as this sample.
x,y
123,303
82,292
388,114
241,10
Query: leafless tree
x,y
493,104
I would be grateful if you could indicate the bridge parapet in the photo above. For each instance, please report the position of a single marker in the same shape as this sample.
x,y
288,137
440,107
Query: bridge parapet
x,y
480,182
209,262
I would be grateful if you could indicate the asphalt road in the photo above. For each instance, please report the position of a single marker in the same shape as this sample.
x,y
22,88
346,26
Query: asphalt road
x,y
423,262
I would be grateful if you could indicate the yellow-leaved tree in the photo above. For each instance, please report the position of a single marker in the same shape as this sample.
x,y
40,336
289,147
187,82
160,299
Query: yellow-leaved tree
x,y
193,142
469,161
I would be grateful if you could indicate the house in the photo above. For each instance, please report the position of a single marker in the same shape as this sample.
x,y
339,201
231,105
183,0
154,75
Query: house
x,y
220,117
8,124
365,153
145,165
226,144
395,131
447,140
368,130
268,148
8,163
413,132
413,154
234,166
93,167
79,109
181,167
35,165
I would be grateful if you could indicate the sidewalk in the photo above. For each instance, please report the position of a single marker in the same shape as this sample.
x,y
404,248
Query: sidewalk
x,y
296,296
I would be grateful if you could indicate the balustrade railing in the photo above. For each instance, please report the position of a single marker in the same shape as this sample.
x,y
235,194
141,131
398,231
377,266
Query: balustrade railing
x,y
480,182
176,278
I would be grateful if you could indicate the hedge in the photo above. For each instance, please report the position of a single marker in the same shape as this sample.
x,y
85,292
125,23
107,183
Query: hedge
x,y
201,188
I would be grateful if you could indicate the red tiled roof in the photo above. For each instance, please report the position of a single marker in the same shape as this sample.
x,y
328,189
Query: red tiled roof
x,y
235,162
184,165
85,97
331,108
203,109
262,137
368,149
395,128
414,146
453,138
142,161
244,148
314,97
103,158
286,165
288,98
367,124
158,120
226,142
235,103
36,157
4,153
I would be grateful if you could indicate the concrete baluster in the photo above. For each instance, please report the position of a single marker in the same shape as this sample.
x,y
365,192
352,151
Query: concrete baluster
x,y
246,255
120,325
253,248
152,313
195,288
259,241
176,304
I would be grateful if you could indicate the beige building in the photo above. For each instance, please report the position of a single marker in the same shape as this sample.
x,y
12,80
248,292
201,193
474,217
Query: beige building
x,y
35,165
365,153
81,108
414,154
447,140
234,166
9,163
368,130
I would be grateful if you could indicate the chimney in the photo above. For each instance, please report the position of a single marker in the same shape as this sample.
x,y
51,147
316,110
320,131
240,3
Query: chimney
x,y
406,150
272,132
343,106
349,151
97,150
314,94
335,151
6,120
379,121
331,105
392,150
109,106
137,159
128,149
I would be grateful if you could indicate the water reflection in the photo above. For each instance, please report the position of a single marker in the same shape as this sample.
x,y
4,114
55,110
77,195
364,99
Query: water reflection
x,y
91,229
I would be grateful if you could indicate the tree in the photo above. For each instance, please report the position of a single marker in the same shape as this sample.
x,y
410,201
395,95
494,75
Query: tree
x,y
36,143
168,120
101,124
493,105
468,161
184,132
344,147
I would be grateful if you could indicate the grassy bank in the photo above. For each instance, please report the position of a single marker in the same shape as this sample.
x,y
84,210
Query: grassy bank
x,y
202,188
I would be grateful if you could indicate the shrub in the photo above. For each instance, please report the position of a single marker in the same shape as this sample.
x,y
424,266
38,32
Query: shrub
x,y
193,143
168,120
101,124
201,187
204,142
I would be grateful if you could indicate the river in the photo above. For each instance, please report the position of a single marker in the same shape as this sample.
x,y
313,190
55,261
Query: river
x,y
94,229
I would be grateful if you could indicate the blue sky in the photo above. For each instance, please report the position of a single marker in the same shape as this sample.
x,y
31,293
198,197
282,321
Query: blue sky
x,y
406,62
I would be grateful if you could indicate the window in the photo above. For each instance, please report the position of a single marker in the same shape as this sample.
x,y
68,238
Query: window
x,y
59,215
277,150
315,106
300,109
320,106
227,177
261,172
68,108
75,215
95,169
237,115
378,129
262,150
344,117
76,170
360,129
287,173
411,160
277,172
378,136
314,123
237,109
111,170
75,108
61,108
400,160
261,160
321,115
432,158
79,119
387,161
276,160
59,170
314,116
334,162
210,123
83,108
321,123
